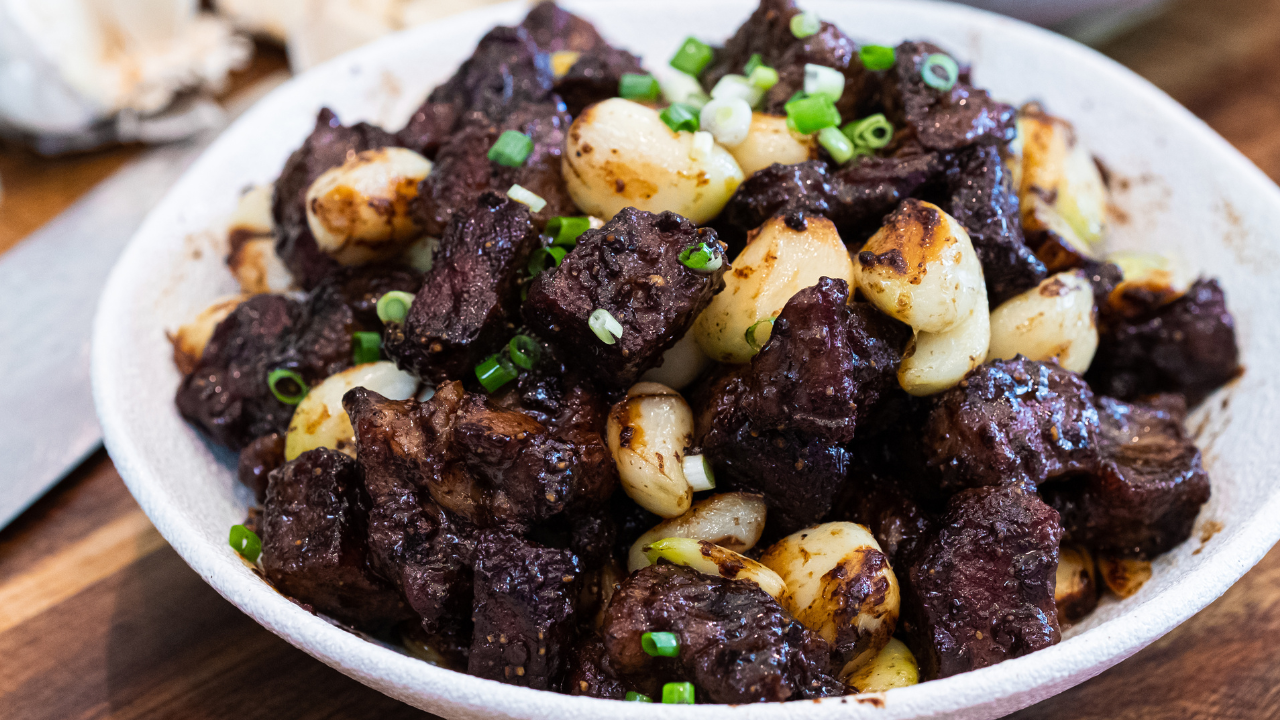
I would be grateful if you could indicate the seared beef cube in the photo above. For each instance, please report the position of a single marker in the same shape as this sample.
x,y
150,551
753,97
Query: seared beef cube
x,y
505,73
1010,422
257,460
227,397
631,269
1187,346
826,364
737,645
525,600
462,311
900,524
361,287
590,673
595,74
315,540
1144,499
778,189
943,119
984,202
412,541
328,146
982,590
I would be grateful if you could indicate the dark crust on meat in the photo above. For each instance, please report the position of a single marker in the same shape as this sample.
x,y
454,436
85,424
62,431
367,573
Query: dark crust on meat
x,y
257,460
943,120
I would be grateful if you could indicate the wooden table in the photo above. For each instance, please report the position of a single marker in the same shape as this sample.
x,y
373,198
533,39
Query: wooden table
x,y
99,618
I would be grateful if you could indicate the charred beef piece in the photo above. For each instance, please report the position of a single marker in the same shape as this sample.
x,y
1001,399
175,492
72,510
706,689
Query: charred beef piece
x,y
525,600
257,460
1187,346
227,397
462,311
826,364
943,120
599,67
591,673
328,146
630,268
982,590
315,541
1145,497
737,645
900,524
1011,422
413,542
983,201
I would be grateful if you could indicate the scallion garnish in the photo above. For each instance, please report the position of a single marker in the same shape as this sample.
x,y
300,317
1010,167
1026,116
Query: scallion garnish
x,y
822,80
495,372
565,230
680,117
681,87
703,257
807,115
394,306
542,258
756,60
877,57
365,347
728,120
511,149
763,77
635,86
246,542
692,57
677,693
524,351
805,24
287,385
697,471
521,195
605,326
837,144
737,86
756,336
870,133
940,72
633,696
660,644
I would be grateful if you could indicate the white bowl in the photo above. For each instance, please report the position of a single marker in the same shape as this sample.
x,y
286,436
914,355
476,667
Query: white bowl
x,y
1184,190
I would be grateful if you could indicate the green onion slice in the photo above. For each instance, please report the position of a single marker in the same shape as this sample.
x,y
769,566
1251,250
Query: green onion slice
x,y
542,258
246,542
280,379
565,230
822,80
677,693
635,86
692,57
605,326
511,149
877,57
763,77
756,60
698,472
805,24
807,115
940,72
755,337
495,372
836,143
633,696
365,347
679,116
703,257
524,351
528,197
394,306
871,132
660,644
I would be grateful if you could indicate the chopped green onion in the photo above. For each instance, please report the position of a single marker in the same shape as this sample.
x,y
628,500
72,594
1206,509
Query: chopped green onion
x,y
633,696
394,306
756,60
877,57
660,644
524,351
677,693
634,86
940,72
703,144
511,149
822,80
808,115
702,257
565,230
246,542
763,77
728,120
365,347
737,86
870,133
680,117
692,57
522,195
542,258
495,372
697,471
755,337
678,87
283,394
805,24
605,326
836,143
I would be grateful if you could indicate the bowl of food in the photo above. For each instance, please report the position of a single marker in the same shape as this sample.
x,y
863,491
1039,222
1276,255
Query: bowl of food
x,y
892,374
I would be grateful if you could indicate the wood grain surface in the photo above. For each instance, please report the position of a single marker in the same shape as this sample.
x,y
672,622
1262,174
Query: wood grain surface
x,y
99,618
